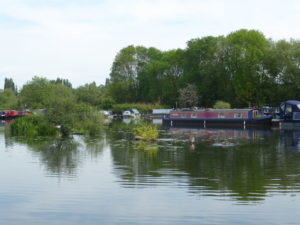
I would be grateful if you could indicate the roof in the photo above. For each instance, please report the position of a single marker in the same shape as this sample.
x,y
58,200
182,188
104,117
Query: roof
x,y
293,102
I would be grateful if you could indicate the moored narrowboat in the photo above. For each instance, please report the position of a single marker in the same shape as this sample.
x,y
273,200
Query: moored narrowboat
x,y
217,118
12,114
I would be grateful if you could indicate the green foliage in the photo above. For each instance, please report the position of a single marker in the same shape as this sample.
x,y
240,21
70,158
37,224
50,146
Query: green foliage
x,y
221,105
8,99
32,126
107,103
146,131
61,81
9,84
90,94
87,120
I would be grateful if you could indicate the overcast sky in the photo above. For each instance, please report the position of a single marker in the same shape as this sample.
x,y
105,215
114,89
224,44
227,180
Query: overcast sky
x,y
78,39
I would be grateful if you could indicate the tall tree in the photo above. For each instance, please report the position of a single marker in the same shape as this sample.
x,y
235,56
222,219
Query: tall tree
x,y
8,99
127,66
90,94
9,84
245,52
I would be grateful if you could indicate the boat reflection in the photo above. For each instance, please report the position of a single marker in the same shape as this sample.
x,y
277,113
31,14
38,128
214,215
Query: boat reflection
x,y
218,137
290,139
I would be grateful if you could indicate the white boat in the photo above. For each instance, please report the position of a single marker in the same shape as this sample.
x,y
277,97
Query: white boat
x,y
133,113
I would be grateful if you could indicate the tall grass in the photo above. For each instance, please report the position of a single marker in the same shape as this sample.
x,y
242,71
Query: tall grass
x,y
31,126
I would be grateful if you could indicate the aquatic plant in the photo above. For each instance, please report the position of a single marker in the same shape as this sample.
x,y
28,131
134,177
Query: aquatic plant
x,y
31,126
145,131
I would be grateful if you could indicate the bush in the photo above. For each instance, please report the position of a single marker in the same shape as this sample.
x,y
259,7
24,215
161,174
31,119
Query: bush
x,y
88,123
32,126
221,105
146,131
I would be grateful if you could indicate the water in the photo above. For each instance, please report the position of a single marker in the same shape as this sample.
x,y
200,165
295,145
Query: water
x,y
190,176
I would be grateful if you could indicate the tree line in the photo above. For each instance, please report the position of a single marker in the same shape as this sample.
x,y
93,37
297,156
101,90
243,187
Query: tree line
x,y
243,68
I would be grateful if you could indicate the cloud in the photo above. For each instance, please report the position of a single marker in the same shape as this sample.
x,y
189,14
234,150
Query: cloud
x,y
78,39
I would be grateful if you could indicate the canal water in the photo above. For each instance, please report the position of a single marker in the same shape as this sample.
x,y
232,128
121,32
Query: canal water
x,y
189,176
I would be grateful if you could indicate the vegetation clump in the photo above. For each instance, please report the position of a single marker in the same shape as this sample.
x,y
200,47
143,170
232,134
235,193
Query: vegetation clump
x,y
146,132
32,126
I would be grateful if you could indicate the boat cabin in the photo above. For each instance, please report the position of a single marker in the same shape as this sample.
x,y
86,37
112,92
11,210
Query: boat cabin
x,y
290,110
216,114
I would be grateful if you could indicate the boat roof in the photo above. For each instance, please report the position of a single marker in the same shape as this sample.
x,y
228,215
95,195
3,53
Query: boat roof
x,y
212,110
292,102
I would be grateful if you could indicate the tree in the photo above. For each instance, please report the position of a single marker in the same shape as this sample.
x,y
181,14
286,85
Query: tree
x,y
65,82
90,94
40,93
8,99
127,66
9,84
188,96
245,52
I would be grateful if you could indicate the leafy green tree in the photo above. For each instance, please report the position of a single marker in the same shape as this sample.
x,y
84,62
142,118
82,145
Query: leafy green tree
x,y
205,67
36,93
9,84
65,82
127,66
245,52
90,94
8,99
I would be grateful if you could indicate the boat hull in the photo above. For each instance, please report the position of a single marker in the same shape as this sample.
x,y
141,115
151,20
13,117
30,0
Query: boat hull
x,y
203,122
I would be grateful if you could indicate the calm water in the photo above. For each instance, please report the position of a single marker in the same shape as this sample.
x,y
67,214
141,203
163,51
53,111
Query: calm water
x,y
219,177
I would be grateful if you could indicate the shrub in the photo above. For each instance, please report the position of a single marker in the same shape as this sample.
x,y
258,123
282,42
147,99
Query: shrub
x,y
32,126
88,123
146,131
221,105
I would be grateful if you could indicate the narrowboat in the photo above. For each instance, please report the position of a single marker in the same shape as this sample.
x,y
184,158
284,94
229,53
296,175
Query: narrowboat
x,y
217,118
12,114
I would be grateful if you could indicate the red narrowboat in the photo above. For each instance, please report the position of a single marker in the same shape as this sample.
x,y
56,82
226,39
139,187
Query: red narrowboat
x,y
217,117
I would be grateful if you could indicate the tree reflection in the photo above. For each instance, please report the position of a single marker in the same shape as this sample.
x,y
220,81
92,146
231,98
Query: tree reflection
x,y
61,156
257,165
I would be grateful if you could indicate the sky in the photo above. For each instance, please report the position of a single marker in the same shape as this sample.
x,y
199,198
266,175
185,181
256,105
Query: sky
x,y
78,39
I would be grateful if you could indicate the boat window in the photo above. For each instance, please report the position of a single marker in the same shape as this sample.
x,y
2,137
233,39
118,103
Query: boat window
x,y
183,115
221,115
193,115
288,108
282,107
238,115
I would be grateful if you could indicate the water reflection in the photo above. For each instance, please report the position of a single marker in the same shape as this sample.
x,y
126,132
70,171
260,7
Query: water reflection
x,y
290,139
246,165
61,156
